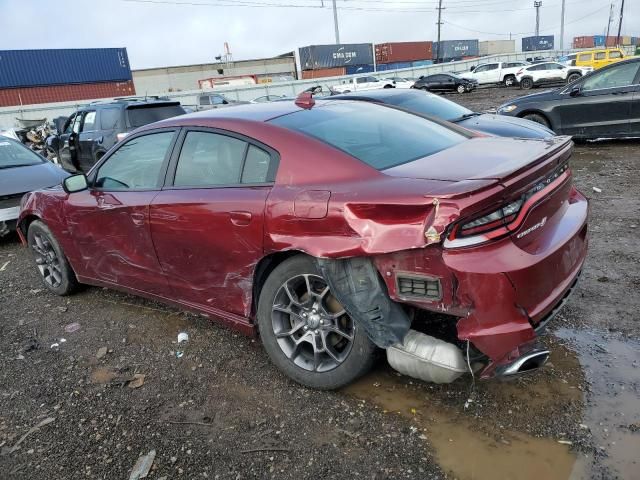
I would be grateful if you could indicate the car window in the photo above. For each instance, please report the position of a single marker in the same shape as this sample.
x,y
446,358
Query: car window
x,y
536,67
137,164
204,100
601,55
615,54
621,75
217,100
556,66
89,123
492,66
109,118
145,114
584,57
378,136
14,154
361,80
76,123
432,105
68,126
208,159
256,165
481,68
372,79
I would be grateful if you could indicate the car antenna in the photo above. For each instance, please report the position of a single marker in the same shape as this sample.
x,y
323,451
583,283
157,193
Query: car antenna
x,y
305,100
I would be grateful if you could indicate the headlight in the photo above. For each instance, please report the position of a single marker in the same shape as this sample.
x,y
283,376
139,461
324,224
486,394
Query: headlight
x,y
507,109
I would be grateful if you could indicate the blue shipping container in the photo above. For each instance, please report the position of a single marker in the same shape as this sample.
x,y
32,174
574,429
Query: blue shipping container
x,y
421,63
318,57
532,44
355,69
599,40
384,67
31,68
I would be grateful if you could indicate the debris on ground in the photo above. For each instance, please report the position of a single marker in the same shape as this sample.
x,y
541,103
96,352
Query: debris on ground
x,y
72,327
597,190
183,341
44,422
102,351
142,466
137,381
4,265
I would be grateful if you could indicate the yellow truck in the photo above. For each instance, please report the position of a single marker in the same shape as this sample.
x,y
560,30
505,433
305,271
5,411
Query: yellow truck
x,y
599,58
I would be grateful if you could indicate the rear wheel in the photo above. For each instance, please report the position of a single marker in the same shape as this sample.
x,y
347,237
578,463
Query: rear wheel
x,y
50,260
509,81
573,77
306,331
526,83
461,89
536,117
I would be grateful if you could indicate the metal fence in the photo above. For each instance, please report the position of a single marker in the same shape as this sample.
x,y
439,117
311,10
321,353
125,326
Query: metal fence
x,y
9,115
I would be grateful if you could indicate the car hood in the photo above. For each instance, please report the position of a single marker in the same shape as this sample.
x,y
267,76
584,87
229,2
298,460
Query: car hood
x,y
479,158
33,177
503,126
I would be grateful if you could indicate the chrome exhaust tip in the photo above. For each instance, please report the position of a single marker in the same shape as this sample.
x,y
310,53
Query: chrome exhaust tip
x,y
526,363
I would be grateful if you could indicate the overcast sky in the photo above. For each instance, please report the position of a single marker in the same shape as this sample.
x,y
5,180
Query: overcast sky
x,y
178,32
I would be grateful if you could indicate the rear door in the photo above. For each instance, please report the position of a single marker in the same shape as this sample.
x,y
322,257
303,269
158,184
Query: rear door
x,y
207,224
604,105
109,222
69,143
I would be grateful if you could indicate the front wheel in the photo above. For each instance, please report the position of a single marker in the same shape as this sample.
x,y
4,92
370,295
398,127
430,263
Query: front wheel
x,y
573,77
306,331
536,117
461,89
526,84
50,260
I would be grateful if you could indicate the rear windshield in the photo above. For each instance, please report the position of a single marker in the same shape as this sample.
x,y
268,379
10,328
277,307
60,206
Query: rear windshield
x,y
427,104
139,116
380,136
13,154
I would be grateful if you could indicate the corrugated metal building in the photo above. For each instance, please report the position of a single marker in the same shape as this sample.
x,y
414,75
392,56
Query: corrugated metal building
x,y
151,81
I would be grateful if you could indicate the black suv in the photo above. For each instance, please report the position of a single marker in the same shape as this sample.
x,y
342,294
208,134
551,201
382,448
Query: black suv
x,y
84,137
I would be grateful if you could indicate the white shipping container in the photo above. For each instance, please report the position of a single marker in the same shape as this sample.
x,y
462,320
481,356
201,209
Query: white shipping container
x,y
496,47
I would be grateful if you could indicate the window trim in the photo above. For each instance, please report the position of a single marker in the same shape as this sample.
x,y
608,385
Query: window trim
x,y
93,173
173,163
635,84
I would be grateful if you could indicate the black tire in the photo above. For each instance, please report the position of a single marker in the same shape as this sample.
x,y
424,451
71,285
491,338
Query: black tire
x,y
538,118
57,275
573,77
424,89
388,86
526,84
509,81
358,359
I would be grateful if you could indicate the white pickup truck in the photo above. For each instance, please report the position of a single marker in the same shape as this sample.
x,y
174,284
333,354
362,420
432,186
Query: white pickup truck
x,y
498,72
359,84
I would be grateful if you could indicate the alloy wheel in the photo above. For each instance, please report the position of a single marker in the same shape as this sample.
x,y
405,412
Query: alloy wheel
x,y
47,260
311,327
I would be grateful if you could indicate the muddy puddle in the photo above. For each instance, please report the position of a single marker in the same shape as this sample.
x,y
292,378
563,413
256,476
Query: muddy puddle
x,y
484,444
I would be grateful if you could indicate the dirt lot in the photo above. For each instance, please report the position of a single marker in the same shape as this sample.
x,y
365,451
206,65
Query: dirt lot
x,y
222,411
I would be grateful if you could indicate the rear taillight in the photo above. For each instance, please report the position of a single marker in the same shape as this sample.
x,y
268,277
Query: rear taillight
x,y
505,219
121,136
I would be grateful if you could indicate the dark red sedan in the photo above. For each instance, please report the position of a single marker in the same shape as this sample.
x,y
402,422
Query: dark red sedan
x,y
332,229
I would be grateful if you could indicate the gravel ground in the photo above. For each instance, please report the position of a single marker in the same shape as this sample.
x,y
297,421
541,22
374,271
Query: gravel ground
x,y
222,411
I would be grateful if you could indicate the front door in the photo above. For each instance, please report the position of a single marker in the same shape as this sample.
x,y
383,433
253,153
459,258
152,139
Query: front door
x,y
67,143
207,225
603,106
110,221
86,141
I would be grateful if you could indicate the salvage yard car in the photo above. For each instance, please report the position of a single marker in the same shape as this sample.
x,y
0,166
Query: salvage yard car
x,y
359,84
446,82
429,104
332,229
549,73
604,104
494,73
21,170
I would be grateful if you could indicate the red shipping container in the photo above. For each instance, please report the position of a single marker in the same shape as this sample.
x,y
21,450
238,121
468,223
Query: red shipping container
x,y
403,52
323,72
612,41
584,42
11,97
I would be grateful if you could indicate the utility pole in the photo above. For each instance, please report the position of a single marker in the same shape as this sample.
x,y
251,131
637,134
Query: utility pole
x,y
537,6
610,20
335,22
562,27
620,22
440,8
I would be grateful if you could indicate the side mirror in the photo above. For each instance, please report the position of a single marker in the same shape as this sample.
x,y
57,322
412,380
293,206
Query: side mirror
x,y
575,91
75,183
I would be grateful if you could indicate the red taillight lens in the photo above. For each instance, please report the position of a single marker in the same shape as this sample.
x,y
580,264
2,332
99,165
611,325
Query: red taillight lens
x,y
495,219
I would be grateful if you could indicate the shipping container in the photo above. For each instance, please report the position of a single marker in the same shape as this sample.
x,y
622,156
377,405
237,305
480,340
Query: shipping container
x,y
584,42
496,47
30,68
422,63
317,57
634,40
532,44
598,40
403,52
10,97
356,69
385,67
625,40
323,72
449,49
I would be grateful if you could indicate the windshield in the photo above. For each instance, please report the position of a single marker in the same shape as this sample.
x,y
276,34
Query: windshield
x,y
426,104
139,116
381,137
13,154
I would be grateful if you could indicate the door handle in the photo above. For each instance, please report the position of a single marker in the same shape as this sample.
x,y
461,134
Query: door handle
x,y
240,218
137,218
